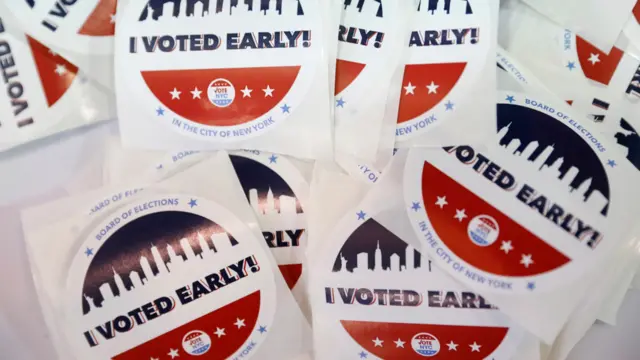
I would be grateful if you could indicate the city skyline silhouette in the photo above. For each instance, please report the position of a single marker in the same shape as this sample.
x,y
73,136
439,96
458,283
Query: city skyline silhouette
x,y
160,238
365,6
630,139
373,248
157,9
265,190
445,7
553,148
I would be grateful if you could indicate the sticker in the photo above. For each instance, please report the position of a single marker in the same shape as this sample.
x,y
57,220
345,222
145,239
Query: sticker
x,y
277,192
613,96
169,276
526,216
40,87
377,297
585,60
632,29
445,59
84,27
364,50
248,72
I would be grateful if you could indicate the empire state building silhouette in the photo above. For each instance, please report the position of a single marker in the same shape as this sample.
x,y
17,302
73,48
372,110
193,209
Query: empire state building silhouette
x,y
362,262
167,9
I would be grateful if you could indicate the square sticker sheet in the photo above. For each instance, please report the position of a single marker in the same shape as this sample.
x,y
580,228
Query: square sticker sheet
x,y
94,308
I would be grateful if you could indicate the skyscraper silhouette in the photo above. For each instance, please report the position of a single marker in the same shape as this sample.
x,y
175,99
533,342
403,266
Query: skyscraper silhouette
x,y
546,162
631,141
155,9
176,262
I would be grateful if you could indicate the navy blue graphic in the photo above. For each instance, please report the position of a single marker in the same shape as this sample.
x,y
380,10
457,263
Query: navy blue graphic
x,y
210,7
360,5
145,248
630,139
264,188
435,6
31,3
373,248
554,148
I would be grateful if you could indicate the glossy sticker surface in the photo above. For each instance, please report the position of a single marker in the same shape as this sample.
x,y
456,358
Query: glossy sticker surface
x,y
378,297
169,276
40,87
83,27
211,85
364,49
448,48
276,192
527,215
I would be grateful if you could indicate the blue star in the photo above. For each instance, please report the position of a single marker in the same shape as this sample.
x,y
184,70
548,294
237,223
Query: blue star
x,y
362,355
88,252
159,167
612,163
193,202
571,65
531,286
340,102
510,99
285,108
416,206
273,159
262,329
449,105
160,111
361,215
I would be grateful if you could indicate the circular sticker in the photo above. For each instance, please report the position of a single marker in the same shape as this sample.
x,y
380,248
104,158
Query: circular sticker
x,y
249,71
444,61
376,296
601,74
196,343
483,230
469,206
169,276
367,49
277,192
221,93
425,344
41,87
84,27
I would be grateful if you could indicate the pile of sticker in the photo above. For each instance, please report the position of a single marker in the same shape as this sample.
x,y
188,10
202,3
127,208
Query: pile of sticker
x,y
332,179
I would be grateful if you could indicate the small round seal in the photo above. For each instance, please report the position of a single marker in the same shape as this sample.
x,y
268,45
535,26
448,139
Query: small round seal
x,y
483,230
196,343
425,344
221,92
